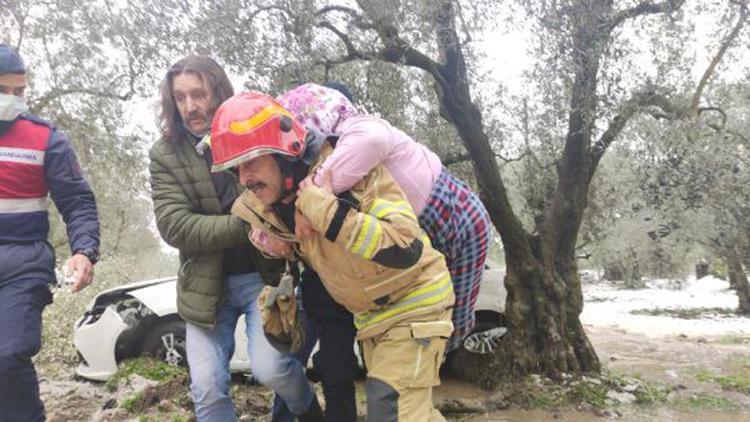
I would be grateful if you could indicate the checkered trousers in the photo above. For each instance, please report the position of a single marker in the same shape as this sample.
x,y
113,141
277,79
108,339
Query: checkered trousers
x,y
459,227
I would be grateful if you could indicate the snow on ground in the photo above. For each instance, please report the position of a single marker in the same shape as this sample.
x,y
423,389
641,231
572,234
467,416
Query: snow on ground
x,y
607,305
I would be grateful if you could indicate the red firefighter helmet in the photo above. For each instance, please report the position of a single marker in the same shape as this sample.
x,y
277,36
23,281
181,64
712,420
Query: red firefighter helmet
x,y
251,124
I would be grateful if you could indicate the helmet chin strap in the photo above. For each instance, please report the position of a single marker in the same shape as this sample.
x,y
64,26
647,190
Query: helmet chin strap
x,y
292,172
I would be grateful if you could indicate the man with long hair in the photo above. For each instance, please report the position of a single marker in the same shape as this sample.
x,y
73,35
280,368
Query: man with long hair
x,y
221,274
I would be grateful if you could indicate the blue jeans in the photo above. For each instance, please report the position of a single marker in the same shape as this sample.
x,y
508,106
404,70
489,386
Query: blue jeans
x,y
209,352
21,306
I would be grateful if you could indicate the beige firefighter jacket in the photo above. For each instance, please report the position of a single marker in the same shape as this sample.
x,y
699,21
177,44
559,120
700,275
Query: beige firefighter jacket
x,y
370,252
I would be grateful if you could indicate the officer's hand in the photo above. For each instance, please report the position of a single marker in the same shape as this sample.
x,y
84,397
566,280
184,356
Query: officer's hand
x,y
271,245
82,270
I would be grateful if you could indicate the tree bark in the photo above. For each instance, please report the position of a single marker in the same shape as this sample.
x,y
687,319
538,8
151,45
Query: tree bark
x,y
544,299
701,269
738,280
544,292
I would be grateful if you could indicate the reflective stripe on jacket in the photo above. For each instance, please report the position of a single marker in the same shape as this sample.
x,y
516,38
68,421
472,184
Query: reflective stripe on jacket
x,y
23,187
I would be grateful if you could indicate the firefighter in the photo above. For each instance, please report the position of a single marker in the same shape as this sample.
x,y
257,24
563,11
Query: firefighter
x,y
369,250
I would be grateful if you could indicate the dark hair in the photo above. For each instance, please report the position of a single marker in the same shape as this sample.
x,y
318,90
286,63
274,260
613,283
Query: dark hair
x,y
170,121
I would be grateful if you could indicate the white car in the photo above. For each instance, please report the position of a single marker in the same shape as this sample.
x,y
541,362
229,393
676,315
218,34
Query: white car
x,y
141,318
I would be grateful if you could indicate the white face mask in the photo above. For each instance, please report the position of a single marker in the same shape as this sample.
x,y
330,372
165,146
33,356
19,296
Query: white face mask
x,y
11,106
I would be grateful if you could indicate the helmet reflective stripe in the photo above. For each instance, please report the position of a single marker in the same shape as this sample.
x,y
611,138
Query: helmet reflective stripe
x,y
248,125
245,157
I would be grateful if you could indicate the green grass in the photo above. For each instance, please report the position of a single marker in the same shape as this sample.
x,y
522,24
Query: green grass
x,y
130,402
686,313
588,391
705,402
593,394
731,382
148,368
547,399
650,394
734,340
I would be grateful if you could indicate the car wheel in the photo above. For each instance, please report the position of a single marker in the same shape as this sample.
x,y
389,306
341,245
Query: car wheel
x,y
487,333
166,341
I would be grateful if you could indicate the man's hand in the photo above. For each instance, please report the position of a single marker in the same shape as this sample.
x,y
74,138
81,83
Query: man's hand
x,y
81,269
271,245
323,180
303,227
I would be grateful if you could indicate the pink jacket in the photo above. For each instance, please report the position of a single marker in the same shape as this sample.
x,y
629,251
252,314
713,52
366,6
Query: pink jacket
x,y
364,142
367,141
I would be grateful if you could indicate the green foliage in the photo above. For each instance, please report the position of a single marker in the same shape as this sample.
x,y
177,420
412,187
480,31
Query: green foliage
x,y
705,402
649,394
729,340
687,313
586,392
732,382
130,403
719,269
593,394
146,367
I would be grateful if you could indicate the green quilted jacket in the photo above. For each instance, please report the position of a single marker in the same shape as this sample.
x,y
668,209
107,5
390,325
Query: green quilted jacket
x,y
189,217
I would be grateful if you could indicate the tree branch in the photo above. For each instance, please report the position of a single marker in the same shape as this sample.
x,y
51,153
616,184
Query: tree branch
x,y
723,114
260,10
635,104
719,55
20,18
460,158
359,20
396,50
646,7
351,49
333,8
448,39
44,101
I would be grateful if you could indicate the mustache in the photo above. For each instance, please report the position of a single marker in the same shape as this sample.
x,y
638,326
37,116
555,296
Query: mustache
x,y
196,115
254,185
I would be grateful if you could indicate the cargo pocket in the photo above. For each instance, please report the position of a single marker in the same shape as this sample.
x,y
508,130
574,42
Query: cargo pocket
x,y
430,338
408,356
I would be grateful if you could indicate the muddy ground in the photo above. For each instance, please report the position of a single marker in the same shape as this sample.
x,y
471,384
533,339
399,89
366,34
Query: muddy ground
x,y
696,375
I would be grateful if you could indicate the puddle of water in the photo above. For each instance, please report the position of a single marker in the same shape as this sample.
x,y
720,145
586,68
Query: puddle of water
x,y
661,415
451,389
514,415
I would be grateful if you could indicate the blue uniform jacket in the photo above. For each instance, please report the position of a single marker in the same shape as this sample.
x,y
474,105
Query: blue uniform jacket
x,y
37,162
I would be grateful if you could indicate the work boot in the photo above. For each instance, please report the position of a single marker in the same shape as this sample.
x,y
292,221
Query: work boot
x,y
313,413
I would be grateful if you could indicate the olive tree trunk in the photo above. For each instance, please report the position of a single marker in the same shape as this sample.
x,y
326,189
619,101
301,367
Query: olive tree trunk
x,y
738,280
